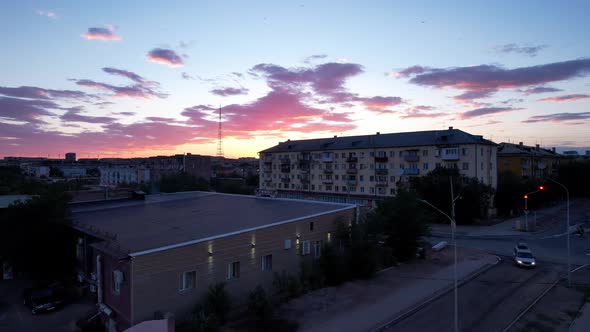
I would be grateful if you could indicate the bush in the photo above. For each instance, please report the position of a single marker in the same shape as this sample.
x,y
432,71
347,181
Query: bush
x,y
287,286
260,306
310,274
334,266
217,302
203,321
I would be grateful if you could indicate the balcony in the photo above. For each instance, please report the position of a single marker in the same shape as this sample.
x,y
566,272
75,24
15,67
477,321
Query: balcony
x,y
327,181
411,171
285,179
267,170
381,171
268,180
304,180
352,159
285,169
411,158
351,182
381,159
381,184
449,156
328,171
304,170
327,159
351,171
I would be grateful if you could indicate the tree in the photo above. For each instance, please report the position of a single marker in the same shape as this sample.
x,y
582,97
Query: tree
x,y
435,188
404,222
575,175
259,306
36,237
170,183
217,301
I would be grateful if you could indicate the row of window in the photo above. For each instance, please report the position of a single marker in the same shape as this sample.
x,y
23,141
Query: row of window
x,y
382,153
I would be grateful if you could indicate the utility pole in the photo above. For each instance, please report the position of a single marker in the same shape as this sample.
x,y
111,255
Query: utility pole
x,y
219,137
453,227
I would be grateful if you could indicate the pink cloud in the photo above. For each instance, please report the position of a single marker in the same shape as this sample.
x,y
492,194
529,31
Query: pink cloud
x,y
565,98
105,34
165,57
33,92
540,89
422,111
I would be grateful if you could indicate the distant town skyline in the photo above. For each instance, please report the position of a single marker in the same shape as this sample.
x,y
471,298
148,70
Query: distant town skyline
x,y
137,79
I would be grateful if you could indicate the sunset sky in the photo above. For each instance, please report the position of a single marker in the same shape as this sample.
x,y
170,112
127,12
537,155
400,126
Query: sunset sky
x,y
141,78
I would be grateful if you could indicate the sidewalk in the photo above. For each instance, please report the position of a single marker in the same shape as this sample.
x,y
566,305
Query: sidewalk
x,y
547,220
582,322
407,288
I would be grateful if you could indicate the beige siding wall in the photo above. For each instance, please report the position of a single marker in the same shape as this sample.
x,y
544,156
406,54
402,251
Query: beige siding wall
x,y
157,276
474,160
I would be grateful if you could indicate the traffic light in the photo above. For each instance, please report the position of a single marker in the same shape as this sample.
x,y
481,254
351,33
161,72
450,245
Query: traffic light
x,y
541,187
526,196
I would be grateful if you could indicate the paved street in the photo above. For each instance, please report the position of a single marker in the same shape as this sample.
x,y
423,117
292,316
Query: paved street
x,y
487,303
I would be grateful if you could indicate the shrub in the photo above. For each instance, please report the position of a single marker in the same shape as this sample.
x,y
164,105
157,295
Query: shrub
x,y
287,286
217,302
259,305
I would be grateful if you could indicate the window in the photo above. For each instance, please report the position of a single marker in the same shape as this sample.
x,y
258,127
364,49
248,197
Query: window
x,y
361,177
117,281
372,154
305,247
233,270
437,165
425,153
392,179
372,190
311,225
188,280
465,166
287,244
425,166
317,249
463,151
392,191
371,178
267,263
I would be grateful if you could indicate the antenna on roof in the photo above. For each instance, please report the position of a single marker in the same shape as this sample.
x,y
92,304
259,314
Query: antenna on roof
x,y
219,137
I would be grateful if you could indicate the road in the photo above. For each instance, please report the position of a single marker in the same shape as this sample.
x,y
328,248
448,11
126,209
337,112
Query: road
x,y
487,303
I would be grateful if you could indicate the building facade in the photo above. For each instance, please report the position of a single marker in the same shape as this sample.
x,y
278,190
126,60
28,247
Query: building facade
x,y
161,255
368,168
196,165
114,176
528,161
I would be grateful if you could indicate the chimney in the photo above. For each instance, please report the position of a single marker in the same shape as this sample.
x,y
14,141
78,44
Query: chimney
x,y
451,128
520,143
335,136
378,133
537,146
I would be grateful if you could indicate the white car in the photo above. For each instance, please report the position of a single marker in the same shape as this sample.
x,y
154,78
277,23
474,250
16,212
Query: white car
x,y
524,258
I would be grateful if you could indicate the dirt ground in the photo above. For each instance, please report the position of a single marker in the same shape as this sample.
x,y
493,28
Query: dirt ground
x,y
559,307
329,302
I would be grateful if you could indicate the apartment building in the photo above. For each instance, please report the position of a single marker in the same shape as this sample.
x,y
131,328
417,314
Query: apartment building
x,y
196,165
363,169
161,254
528,161
123,174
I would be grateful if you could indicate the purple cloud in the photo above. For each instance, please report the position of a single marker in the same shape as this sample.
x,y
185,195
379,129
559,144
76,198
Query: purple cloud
x,y
422,111
469,96
128,74
531,51
165,57
486,111
33,92
540,89
73,115
16,109
565,98
559,117
105,34
409,71
186,76
492,78
229,92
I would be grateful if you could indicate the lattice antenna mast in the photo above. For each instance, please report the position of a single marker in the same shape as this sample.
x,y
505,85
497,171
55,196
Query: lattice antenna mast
x,y
219,137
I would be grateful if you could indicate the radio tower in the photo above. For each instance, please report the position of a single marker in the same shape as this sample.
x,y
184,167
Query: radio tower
x,y
219,137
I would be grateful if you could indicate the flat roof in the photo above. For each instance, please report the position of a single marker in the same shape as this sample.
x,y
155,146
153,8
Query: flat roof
x,y
169,221
6,200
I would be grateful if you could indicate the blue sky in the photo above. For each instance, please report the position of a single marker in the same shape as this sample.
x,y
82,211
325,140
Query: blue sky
x,y
141,78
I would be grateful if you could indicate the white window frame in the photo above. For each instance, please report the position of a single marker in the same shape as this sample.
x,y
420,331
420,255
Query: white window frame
x,y
266,262
287,244
184,286
232,272
305,247
317,249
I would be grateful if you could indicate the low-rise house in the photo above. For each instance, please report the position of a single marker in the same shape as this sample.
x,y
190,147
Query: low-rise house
x,y
161,254
528,161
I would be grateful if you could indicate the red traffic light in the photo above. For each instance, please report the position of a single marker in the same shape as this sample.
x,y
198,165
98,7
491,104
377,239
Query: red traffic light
x,y
541,187
526,196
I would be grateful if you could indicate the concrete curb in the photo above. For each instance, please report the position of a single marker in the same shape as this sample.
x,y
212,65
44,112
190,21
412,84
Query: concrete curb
x,y
436,295
573,324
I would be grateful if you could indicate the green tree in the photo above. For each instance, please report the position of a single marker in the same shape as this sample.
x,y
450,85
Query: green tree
x,y
435,188
404,223
217,301
575,175
36,236
259,306
170,183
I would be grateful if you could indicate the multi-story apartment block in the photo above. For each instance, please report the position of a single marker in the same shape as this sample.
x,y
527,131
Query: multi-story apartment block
x,y
528,161
123,174
196,165
371,167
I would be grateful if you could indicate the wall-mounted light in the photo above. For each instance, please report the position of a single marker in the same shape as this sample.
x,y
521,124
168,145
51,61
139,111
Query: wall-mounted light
x,y
253,245
210,253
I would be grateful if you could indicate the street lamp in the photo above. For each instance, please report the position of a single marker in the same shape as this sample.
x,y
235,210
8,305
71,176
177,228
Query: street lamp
x,y
453,241
567,193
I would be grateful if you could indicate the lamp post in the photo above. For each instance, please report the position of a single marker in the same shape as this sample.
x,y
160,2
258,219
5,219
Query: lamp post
x,y
567,194
526,207
453,241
